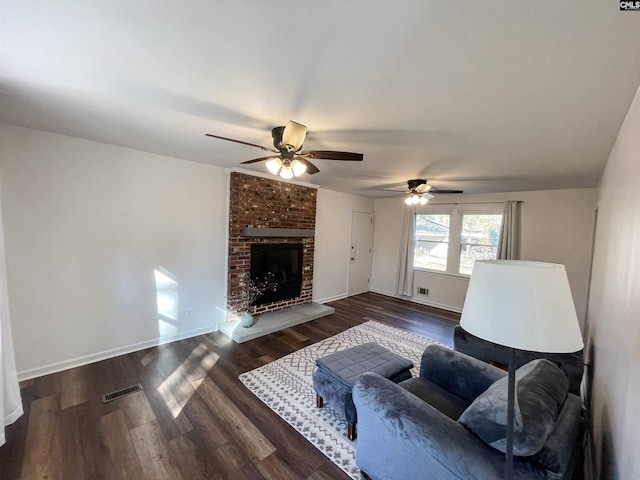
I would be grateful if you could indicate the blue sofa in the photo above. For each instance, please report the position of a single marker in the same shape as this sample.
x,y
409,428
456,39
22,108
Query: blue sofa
x,y
570,363
412,429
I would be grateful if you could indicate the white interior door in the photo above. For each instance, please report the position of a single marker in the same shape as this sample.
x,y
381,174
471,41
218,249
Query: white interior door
x,y
360,252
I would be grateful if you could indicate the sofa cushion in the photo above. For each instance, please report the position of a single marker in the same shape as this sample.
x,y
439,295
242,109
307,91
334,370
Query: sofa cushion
x,y
541,389
436,396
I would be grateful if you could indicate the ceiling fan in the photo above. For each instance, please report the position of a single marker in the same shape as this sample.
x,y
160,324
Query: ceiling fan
x,y
291,161
420,192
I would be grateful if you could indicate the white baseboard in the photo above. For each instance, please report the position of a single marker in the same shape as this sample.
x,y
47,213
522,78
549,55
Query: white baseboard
x,y
114,352
331,299
386,293
420,301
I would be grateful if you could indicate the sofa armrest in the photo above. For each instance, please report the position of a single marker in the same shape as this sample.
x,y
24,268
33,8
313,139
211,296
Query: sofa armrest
x,y
462,375
400,436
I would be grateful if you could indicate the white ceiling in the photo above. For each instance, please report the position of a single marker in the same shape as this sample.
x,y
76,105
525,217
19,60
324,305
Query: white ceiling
x,y
480,95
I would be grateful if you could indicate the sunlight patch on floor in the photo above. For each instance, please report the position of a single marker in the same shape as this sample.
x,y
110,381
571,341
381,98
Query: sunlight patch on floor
x,y
178,388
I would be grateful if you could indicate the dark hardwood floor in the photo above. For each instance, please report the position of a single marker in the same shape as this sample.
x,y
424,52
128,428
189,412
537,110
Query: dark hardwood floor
x,y
194,419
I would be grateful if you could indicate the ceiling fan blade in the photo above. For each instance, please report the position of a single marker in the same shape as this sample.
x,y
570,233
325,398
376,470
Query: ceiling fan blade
x,y
241,142
260,159
331,155
311,168
396,195
444,192
293,136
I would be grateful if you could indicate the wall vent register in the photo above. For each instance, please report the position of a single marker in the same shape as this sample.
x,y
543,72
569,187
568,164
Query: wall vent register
x,y
108,397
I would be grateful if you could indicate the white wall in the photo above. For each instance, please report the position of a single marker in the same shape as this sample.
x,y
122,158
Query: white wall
x,y
86,224
333,239
557,226
614,309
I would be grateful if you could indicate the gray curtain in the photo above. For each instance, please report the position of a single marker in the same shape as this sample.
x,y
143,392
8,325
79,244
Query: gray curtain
x,y
509,243
404,283
10,401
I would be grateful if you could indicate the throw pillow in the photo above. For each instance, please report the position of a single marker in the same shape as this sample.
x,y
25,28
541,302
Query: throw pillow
x,y
541,389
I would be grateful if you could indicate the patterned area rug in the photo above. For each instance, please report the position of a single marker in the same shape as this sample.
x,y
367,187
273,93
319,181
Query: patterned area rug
x,y
285,386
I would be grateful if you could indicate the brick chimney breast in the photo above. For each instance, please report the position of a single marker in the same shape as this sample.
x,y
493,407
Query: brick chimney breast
x,y
266,203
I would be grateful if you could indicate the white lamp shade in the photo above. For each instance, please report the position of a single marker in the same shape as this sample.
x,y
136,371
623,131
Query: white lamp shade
x,y
523,305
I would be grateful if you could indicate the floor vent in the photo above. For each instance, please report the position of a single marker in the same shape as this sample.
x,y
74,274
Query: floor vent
x,y
108,397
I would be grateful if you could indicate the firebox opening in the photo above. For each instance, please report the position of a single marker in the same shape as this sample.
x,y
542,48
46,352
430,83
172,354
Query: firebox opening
x,y
284,262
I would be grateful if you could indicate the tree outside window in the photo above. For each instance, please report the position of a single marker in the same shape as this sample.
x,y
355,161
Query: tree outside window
x,y
479,238
431,242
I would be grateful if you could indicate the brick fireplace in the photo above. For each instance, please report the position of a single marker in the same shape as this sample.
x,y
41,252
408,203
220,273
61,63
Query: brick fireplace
x,y
257,203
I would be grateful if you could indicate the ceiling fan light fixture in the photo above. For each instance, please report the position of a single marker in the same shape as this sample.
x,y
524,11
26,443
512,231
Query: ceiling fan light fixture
x,y
415,199
298,168
287,142
274,165
423,200
408,201
286,172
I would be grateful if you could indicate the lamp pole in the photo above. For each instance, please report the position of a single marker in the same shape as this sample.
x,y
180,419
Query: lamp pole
x,y
511,389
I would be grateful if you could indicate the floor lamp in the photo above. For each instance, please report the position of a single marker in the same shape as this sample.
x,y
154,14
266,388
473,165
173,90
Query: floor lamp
x,y
521,305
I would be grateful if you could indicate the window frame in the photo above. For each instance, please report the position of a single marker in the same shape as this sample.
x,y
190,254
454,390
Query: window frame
x,y
445,211
455,212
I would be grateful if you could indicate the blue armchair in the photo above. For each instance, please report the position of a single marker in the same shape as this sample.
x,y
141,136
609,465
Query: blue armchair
x,y
411,429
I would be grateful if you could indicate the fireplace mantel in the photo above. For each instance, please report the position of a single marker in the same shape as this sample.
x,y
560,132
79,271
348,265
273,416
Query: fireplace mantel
x,y
278,232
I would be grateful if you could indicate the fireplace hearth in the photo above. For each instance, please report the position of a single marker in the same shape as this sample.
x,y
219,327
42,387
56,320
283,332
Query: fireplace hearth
x,y
275,321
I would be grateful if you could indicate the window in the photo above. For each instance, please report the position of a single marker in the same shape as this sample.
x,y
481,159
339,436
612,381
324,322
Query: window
x,y
478,239
452,240
431,242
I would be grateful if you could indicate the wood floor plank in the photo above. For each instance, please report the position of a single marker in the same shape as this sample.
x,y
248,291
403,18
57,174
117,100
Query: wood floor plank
x,y
47,385
298,337
282,435
233,463
136,409
183,382
252,441
194,462
43,454
12,453
147,356
328,471
165,406
72,421
73,384
203,420
152,451
275,468
120,448
264,359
